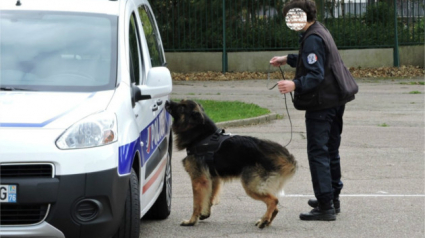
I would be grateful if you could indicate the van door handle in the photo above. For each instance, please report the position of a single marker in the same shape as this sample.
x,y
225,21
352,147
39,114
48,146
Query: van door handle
x,y
159,102
154,107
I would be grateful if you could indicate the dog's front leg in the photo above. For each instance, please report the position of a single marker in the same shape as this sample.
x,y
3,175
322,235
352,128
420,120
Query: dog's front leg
x,y
214,197
201,187
216,189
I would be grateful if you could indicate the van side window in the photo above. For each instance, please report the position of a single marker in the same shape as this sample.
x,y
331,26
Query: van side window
x,y
134,48
152,37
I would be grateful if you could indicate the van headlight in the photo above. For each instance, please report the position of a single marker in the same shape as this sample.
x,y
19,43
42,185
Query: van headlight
x,y
95,130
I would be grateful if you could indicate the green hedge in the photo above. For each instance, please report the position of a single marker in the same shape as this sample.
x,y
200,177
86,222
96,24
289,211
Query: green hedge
x,y
198,26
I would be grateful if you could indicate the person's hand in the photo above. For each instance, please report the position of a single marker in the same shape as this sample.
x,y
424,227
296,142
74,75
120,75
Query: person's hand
x,y
279,60
286,86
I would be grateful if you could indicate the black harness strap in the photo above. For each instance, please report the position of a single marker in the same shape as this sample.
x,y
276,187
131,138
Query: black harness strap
x,y
206,148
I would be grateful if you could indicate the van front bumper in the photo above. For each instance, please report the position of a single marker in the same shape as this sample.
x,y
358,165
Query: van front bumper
x,y
81,205
43,230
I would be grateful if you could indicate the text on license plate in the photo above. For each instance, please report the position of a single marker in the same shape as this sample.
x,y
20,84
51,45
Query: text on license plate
x,y
8,193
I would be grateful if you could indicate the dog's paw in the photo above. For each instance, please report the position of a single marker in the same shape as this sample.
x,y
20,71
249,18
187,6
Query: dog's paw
x,y
187,223
216,201
261,224
258,222
203,217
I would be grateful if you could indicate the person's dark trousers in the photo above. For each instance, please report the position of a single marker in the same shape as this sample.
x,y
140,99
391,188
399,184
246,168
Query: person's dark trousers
x,y
324,128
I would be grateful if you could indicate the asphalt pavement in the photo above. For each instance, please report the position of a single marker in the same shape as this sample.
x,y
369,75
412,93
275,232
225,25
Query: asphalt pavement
x,y
382,158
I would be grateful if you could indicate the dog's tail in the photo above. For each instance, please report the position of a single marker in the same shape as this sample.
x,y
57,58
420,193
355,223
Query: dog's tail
x,y
280,157
284,163
288,166
288,169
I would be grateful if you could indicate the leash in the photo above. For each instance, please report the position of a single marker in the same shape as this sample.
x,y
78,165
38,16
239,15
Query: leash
x,y
284,96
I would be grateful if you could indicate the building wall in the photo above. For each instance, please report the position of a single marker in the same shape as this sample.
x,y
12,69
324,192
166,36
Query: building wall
x,y
259,61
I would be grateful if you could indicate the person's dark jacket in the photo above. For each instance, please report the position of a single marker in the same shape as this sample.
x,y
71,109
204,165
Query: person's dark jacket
x,y
321,79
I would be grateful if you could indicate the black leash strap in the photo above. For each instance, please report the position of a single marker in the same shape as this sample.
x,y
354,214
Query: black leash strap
x,y
268,78
284,96
283,77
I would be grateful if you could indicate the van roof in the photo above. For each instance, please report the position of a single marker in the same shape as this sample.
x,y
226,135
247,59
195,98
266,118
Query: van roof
x,y
110,7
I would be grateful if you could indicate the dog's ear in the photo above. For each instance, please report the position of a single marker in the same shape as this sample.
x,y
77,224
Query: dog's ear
x,y
198,117
200,106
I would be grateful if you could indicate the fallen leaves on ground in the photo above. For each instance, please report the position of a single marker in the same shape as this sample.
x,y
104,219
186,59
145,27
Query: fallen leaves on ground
x,y
388,72
382,72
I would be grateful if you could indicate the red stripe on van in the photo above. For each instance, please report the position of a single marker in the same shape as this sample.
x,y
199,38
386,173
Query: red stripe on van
x,y
154,177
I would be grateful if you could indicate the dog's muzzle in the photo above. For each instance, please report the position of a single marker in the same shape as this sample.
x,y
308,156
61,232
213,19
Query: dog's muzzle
x,y
168,106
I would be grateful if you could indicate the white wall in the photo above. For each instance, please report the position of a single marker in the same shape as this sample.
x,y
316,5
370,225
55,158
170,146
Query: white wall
x,y
259,61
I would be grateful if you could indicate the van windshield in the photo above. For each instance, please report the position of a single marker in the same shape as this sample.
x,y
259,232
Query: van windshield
x,y
57,51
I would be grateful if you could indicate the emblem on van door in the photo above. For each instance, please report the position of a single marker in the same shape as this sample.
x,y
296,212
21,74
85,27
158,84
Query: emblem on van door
x,y
155,132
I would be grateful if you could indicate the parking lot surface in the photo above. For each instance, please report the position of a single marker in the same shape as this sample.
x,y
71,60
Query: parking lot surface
x,y
382,158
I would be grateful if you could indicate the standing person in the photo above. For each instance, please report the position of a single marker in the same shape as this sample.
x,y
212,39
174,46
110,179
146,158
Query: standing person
x,y
320,75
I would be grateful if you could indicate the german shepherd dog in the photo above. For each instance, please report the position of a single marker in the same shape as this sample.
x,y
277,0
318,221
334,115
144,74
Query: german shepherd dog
x,y
263,166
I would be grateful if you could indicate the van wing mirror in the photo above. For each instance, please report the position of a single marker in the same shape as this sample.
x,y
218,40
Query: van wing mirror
x,y
158,84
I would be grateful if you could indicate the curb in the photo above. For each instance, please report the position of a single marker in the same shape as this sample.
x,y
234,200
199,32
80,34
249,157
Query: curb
x,y
249,121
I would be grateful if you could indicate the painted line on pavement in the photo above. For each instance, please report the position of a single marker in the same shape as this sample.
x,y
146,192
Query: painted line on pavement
x,y
359,195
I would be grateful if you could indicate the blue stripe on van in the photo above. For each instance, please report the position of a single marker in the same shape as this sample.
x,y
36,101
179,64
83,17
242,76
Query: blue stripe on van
x,y
125,158
151,136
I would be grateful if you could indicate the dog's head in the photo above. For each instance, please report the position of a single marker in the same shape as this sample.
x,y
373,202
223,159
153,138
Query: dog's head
x,y
187,114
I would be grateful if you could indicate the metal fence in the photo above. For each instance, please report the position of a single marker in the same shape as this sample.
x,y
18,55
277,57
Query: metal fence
x,y
258,25
405,9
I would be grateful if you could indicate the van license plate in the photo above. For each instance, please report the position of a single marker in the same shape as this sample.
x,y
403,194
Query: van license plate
x,y
8,193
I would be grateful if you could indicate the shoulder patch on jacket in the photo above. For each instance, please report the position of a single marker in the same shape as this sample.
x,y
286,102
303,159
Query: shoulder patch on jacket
x,y
312,58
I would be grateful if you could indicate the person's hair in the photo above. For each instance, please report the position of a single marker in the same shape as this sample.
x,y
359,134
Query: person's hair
x,y
308,6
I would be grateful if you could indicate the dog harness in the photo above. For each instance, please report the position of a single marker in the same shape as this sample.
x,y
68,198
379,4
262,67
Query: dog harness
x,y
206,148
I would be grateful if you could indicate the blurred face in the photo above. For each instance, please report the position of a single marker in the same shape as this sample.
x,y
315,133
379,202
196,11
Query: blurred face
x,y
296,19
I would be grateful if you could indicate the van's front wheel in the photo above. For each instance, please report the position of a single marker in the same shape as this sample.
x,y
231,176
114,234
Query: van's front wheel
x,y
130,224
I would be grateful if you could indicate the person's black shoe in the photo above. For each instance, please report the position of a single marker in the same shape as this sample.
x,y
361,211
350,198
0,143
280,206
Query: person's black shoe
x,y
318,214
314,203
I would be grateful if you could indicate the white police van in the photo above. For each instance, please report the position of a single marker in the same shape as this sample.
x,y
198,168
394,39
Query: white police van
x,y
85,142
